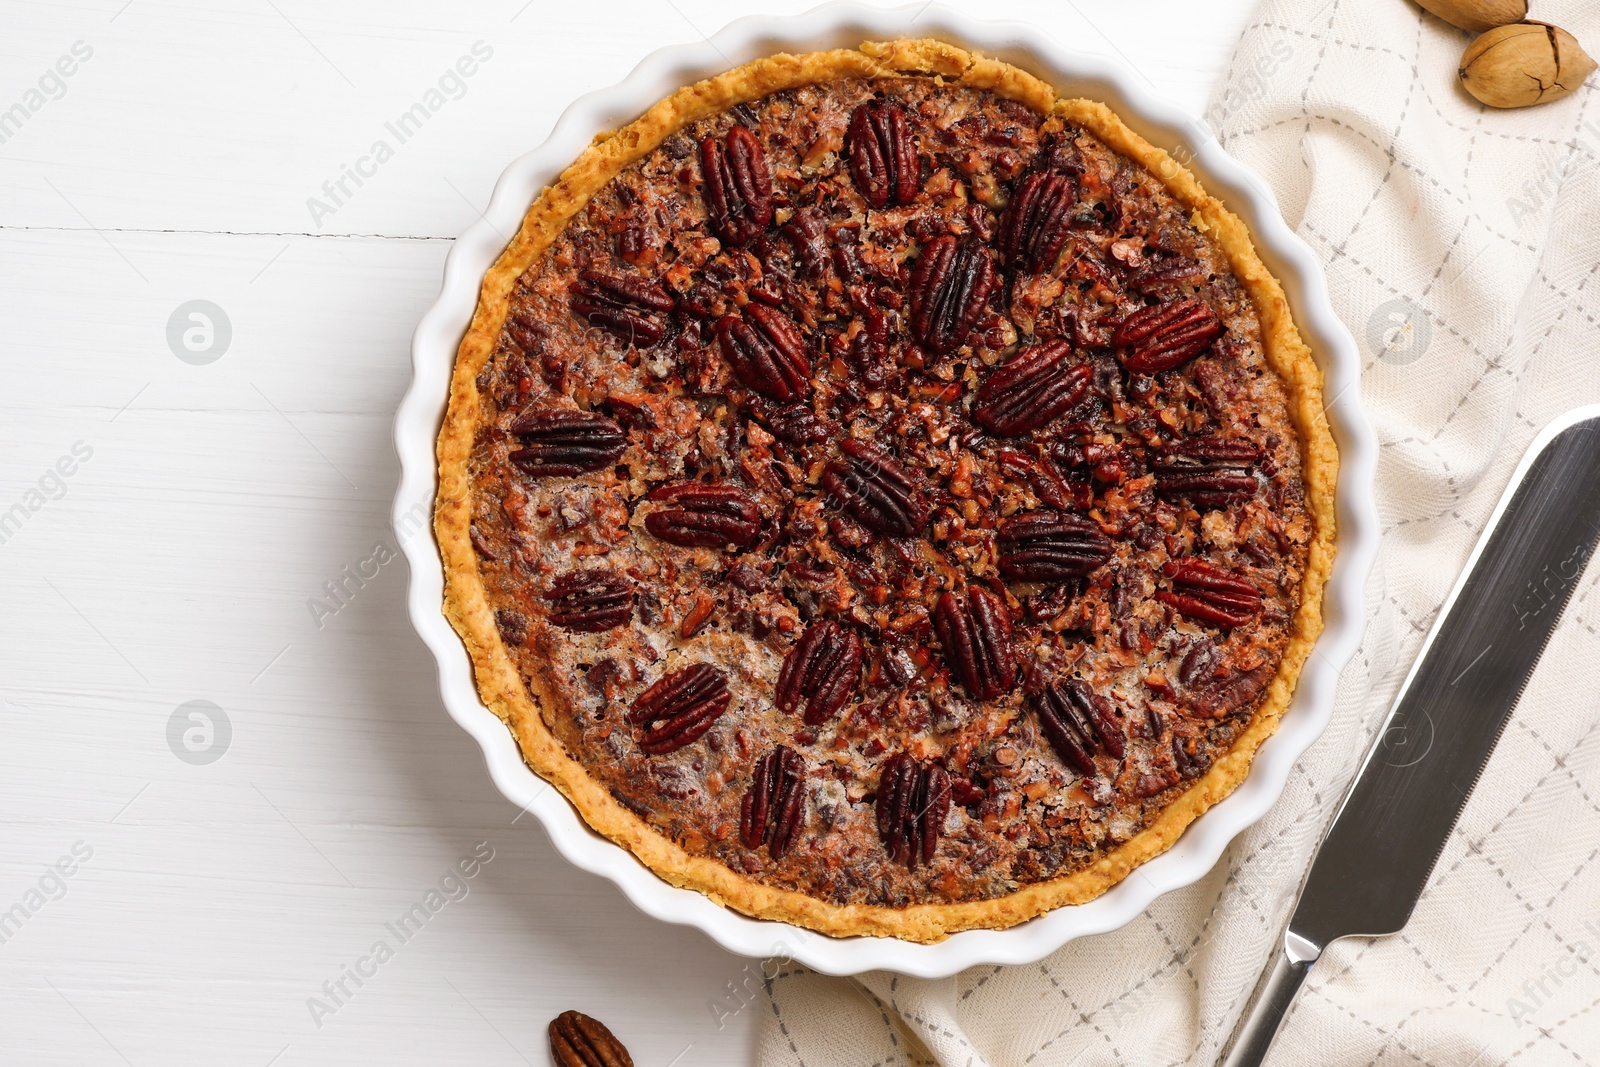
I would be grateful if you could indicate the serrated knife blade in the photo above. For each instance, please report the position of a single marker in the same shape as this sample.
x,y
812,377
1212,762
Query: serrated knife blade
x,y
1381,847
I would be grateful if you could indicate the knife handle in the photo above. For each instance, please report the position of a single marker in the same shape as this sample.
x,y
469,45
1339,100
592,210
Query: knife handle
x,y
1253,1037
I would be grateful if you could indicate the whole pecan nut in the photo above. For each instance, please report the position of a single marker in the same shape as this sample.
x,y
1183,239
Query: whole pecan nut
x,y
1197,669
766,351
631,308
1079,724
1232,693
876,490
976,638
576,1040
794,424
774,807
1029,390
589,601
805,234
912,803
1051,546
821,672
883,155
950,288
704,516
1209,472
526,331
1168,272
558,443
737,186
1035,225
1210,593
1167,335
680,707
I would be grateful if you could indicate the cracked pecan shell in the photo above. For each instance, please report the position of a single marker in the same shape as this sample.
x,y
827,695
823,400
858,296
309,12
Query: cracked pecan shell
x,y
976,638
876,490
576,1040
704,516
912,802
950,288
589,601
821,672
766,351
1209,593
1035,225
1208,472
883,155
632,308
1030,389
774,807
1079,724
736,185
559,443
1166,335
680,707
1051,546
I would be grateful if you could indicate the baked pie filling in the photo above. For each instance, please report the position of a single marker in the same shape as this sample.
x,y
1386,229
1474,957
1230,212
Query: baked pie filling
x,y
884,490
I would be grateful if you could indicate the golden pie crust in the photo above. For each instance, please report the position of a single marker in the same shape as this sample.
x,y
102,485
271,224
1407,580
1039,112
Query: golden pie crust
x,y
501,686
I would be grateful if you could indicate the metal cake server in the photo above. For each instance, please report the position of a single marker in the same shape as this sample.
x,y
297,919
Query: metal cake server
x,y
1392,825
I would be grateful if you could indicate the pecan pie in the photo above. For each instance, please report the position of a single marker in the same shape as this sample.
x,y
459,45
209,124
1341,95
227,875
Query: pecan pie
x,y
884,495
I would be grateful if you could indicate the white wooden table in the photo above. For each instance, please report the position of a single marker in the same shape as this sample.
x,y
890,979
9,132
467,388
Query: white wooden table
x,y
171,516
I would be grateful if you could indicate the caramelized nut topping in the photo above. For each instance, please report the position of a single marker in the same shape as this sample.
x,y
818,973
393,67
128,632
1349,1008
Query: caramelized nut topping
x,y
976,637
876,490
589,601
950,288
680,707
774,807
944,514
737,185
1167,335
883,155
1078,723
766,352
913,801
1209,472
821,671
804,232
1051,546
1030,390
559,443
1211,594
1034,228
630,307
705,516
791,423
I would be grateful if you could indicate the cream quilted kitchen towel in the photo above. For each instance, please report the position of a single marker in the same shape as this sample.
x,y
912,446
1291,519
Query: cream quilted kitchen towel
x,y
1462,245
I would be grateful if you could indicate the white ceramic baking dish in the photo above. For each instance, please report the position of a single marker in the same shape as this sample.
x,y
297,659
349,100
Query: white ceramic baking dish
x,y
1075,74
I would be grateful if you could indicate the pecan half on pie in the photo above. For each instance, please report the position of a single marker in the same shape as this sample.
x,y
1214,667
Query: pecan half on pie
x,y
883,495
